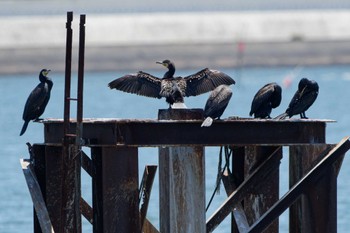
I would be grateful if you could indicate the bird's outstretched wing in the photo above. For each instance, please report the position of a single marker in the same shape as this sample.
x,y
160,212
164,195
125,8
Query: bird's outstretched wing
x,y
140,83
206,80
35,102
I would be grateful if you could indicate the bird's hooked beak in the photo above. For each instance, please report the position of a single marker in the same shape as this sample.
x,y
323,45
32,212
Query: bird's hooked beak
x,y
45,73
302,92
162,63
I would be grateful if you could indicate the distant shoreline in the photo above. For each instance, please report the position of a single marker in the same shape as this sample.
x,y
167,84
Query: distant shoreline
x,y
186,56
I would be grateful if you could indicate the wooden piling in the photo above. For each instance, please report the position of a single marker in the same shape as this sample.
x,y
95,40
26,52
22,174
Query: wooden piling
x,y
115,189
181,181
316,210
258,202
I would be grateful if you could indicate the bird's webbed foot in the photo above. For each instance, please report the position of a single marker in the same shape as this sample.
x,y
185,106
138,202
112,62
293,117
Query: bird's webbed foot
x,y
303,116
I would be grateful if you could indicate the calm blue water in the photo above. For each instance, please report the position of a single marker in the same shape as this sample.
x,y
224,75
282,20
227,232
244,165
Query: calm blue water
x,y
99,101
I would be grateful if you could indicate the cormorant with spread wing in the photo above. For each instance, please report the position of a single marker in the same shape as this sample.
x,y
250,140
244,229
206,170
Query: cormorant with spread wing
x,y
216,104
303,98
37,100
170,87
267,98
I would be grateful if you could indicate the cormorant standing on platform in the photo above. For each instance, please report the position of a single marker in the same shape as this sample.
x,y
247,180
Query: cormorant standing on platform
x,y
37,100
170,87
303,98
267,98
216,104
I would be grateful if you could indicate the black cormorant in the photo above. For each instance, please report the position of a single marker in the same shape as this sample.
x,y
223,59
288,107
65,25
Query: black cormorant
x,y
216,104
267,98
303,98
174,89
37,100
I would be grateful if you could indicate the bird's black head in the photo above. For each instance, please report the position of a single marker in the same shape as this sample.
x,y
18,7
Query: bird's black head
x,y
171,68
167,63
303,83
43,75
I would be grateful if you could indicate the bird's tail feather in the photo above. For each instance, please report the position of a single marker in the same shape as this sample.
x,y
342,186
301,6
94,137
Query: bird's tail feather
x,y
178,105
207,122
24,128
281,116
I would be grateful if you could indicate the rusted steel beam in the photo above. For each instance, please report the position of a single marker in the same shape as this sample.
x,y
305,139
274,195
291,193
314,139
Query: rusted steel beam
x,y
145,191
86,210
302,186
316,210
115,189
188,132
37,197
267,192
181,182
249,185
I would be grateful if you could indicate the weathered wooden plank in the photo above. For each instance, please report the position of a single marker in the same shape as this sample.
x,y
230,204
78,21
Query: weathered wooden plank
x,y
145,191
238,213
37,158
188,132
312,212
260,174
86,163
54,184
37,198
86,210
149,228
308,181
267,192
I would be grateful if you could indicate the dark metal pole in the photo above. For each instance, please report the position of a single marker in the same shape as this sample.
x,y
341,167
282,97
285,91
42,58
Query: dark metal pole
x,y
79,130
68,75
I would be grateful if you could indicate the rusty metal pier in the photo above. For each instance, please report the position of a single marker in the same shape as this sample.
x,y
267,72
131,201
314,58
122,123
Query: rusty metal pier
x,y
113,166
120,201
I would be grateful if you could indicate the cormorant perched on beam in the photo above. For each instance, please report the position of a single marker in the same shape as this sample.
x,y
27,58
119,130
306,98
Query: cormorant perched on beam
x,y
170,87
267,98
37,100
303,98
216,104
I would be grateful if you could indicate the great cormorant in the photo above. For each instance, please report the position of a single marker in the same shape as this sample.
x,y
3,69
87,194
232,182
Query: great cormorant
x,y
216,104
37,100
303,98
174,89
267,98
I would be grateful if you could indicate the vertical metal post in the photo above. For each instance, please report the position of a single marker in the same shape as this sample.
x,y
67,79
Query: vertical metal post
x,y
79,129
68,69
256,204
316,210
181,181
